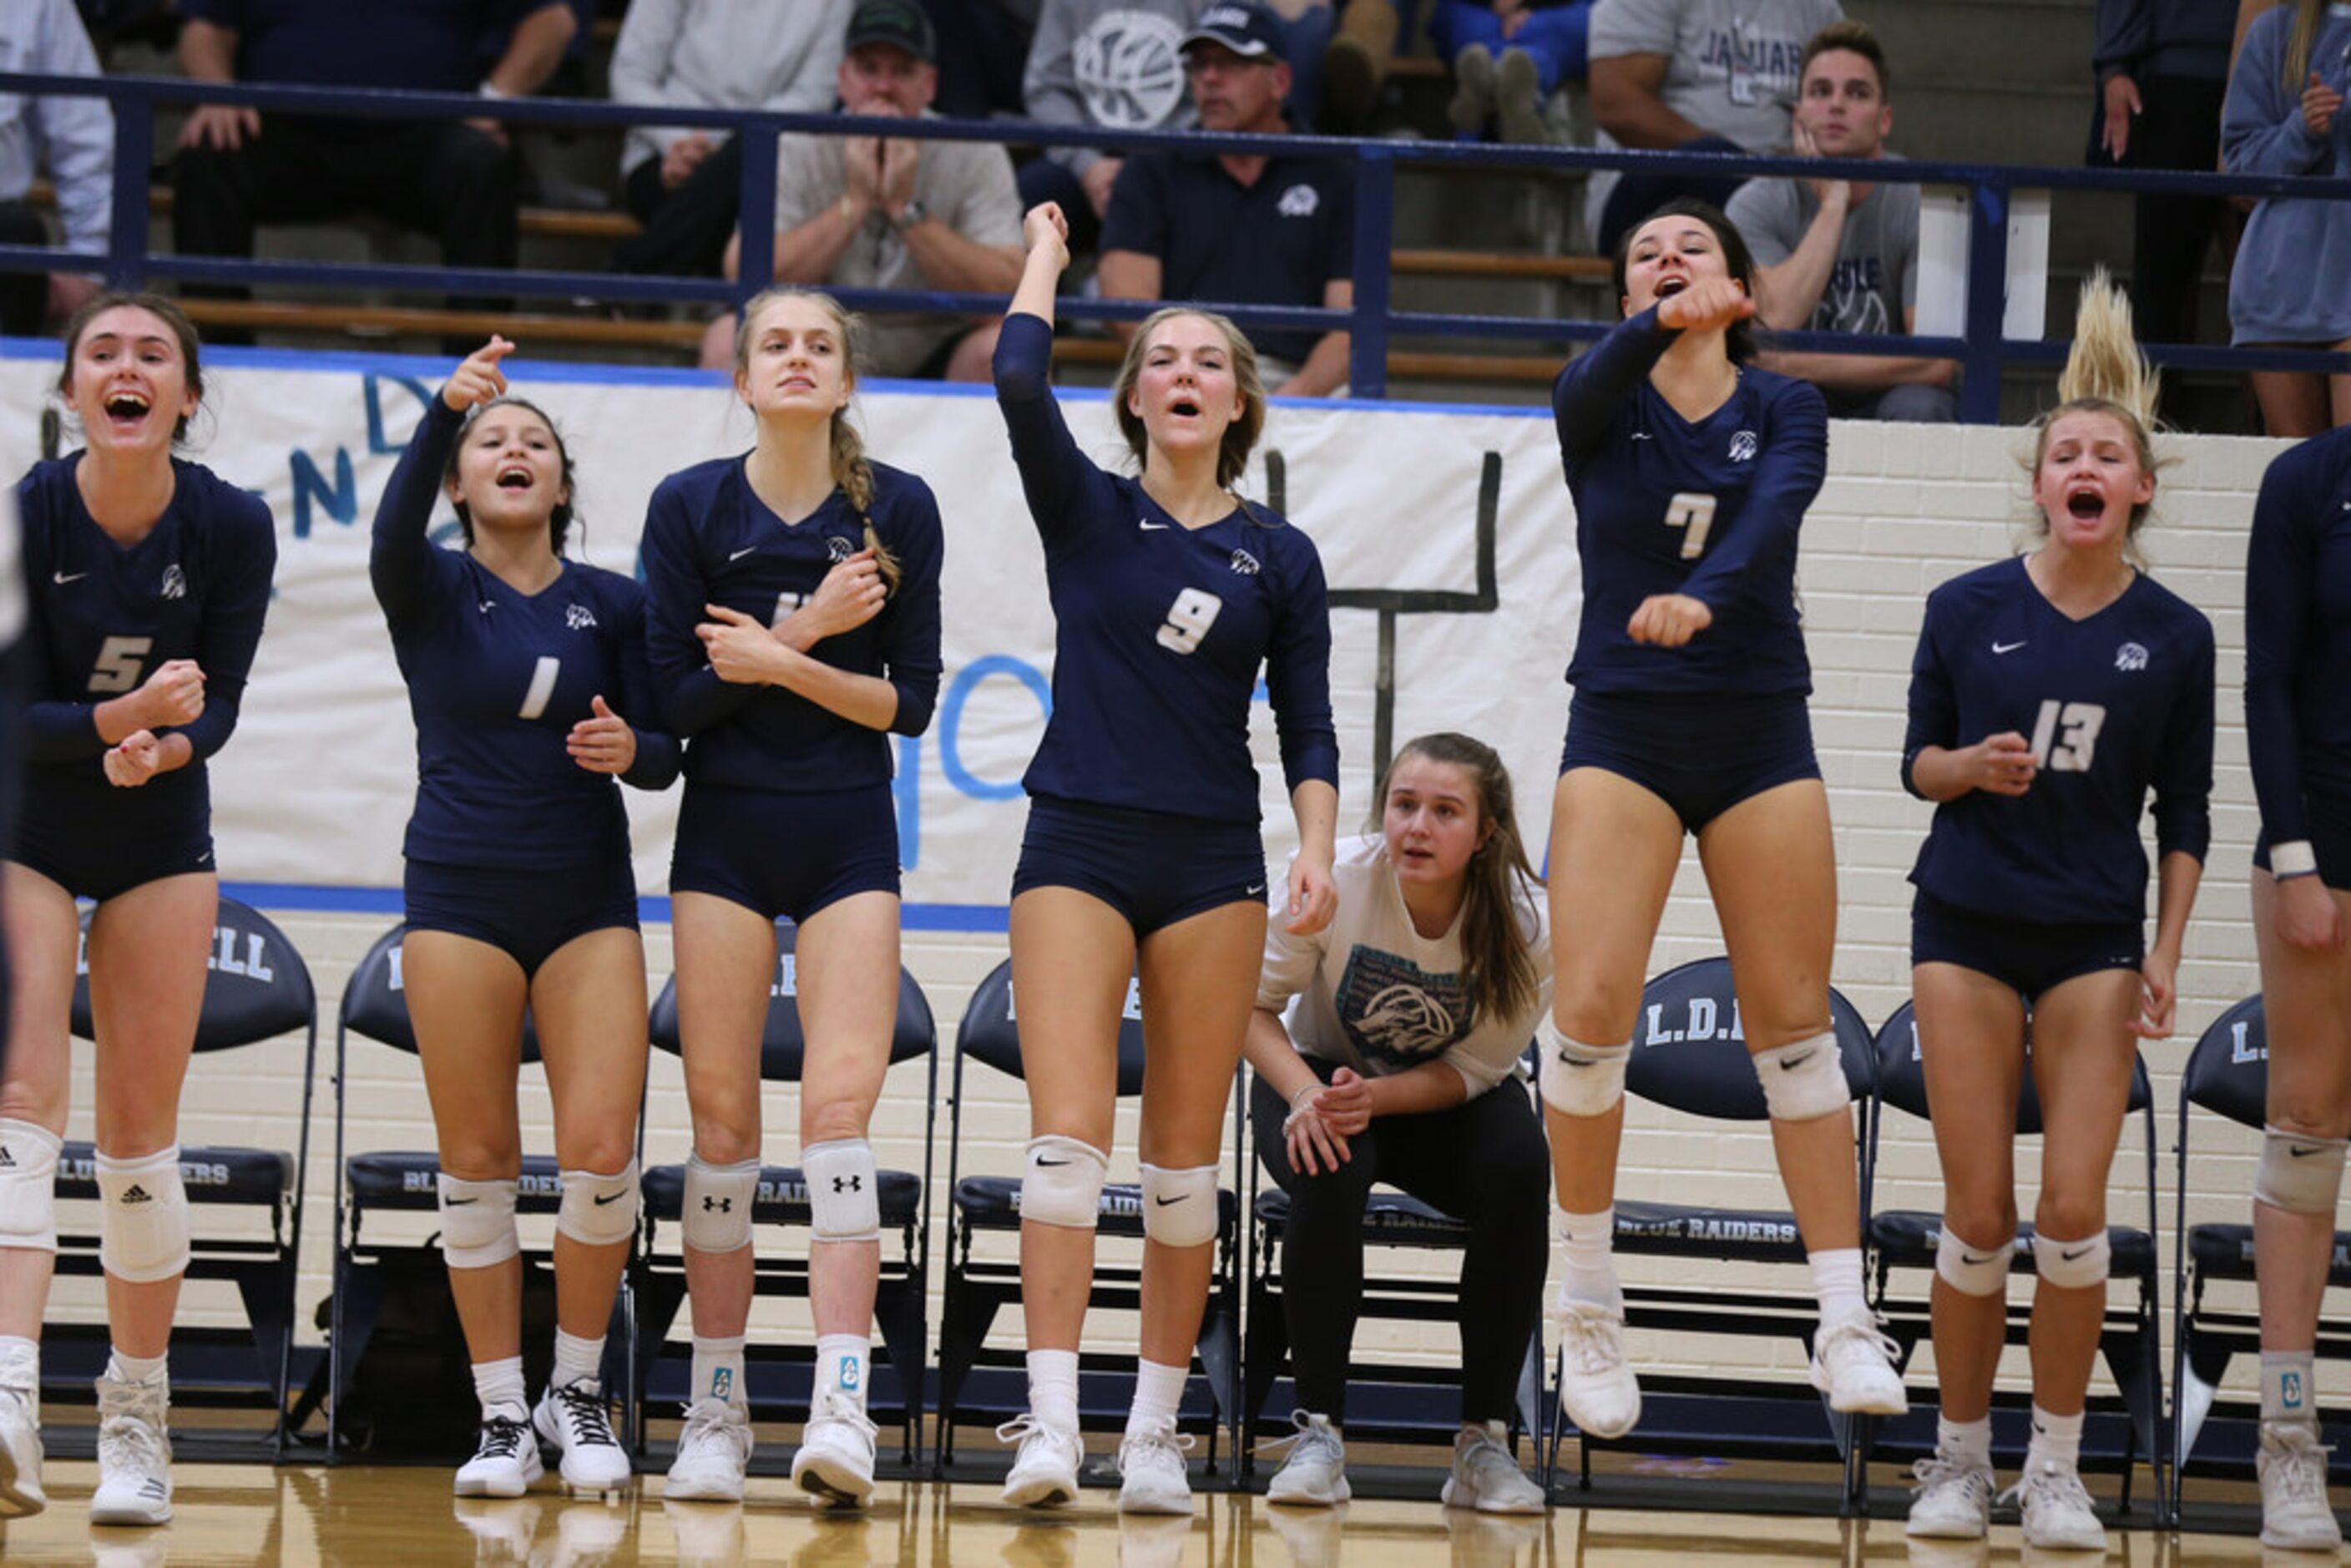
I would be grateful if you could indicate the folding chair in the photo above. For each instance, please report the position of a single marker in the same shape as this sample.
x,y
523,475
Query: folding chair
x,y
782,1199
1907,1239
408,1182
977,1286
2227,1073
1691,1055
257,989
1386,1403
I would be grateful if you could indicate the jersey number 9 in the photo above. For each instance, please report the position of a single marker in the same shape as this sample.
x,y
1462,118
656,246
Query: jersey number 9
x,y
1693,513
119,660
1188,620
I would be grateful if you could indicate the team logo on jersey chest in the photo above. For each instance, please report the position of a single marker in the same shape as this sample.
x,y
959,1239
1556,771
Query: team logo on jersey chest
x,y
2130,656
1244,563
839,549
1299,202
175,582
579,617
1742,446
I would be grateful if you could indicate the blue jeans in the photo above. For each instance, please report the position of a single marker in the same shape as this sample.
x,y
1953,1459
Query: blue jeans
x,y
1557,38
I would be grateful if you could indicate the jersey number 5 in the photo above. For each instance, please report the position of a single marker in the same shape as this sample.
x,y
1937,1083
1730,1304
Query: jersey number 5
x,y
119,663
1188,620
1693,513
2071,750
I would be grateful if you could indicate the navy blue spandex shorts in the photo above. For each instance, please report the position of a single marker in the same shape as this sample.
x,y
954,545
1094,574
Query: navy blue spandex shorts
x,y
2032,955
526,915
1701,756
1154,867
786,853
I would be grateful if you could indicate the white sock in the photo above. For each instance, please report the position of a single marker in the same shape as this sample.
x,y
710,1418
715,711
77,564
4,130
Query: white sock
x,y
1591,1247
841,1360
1966,1440
1158,1389
577,1360
498,1386
2287,1391
134,1368
2056,1439
1836,1279
1053,1388
719,1371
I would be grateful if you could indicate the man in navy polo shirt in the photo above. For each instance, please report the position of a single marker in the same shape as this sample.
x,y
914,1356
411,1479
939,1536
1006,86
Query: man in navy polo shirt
x,y
1239,229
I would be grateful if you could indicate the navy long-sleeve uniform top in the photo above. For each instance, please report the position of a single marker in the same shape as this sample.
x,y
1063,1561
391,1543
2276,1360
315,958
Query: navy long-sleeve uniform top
x,y
2113,705
1160,628
104,618
496,678
2298,633
1640,474
709,539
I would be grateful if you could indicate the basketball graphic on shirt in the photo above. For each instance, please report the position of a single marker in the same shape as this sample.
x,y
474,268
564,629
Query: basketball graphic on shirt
x,y
1129,68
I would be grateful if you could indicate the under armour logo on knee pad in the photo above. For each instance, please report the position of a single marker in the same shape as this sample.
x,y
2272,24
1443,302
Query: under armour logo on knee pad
x,y
849,1183
717,1206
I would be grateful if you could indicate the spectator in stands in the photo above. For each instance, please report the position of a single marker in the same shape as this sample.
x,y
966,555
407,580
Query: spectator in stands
x,y
876,212
1837,256
1233,228
685,186
1692,75
75,137
1509,57
2292,284
457,180
1117,64
2163,73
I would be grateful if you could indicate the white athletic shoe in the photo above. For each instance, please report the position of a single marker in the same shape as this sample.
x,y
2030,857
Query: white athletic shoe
x,y
1486,1478
1853,1364
1315,1474
2058,1513
134,1455
712,1450
501,1527
1952,1500
1045,1471
2292,1468
1151,1465
1596,1387
578,1420
835,1460
506,1456
20,1451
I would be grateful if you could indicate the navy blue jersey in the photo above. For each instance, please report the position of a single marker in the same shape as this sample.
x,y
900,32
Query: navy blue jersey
x,y
496,678
709,539
1709,509
1160,629
2298,633
103,618
2113,705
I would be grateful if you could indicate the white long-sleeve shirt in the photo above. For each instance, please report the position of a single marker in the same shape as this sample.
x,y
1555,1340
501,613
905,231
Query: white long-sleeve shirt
x,y
1372,994
777,55
74,136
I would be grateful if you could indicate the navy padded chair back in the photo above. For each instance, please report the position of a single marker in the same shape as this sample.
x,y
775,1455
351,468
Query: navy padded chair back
x,y
1690,1053
256,985
375,1006
991,1032
1902,1075
2228,1070
783,1048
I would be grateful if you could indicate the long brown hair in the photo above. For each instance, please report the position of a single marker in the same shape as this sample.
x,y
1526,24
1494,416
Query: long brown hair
x,y
1502,979
850,470
1240,436
2106,373
2294,65
163,310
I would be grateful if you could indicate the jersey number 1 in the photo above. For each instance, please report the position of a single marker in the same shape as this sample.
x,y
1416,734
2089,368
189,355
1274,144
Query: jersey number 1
x,y
1693,513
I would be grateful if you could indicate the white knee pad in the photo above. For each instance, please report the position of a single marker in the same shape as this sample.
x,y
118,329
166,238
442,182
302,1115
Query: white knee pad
x,y
477,1222
1576,1079
143,1223
2302,1175
1973,1271
1803,1082
1179,1207
844,1190
599,1210
717,1208
2073,1265
1063,1182
29,1186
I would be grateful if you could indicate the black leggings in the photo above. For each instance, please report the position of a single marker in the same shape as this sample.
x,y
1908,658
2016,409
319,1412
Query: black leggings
x,y
1484,1162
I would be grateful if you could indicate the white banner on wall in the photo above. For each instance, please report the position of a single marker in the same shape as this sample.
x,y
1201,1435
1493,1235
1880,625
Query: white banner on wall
x,y
315,788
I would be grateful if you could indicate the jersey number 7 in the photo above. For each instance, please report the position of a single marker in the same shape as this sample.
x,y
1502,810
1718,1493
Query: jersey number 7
x,y
1693,513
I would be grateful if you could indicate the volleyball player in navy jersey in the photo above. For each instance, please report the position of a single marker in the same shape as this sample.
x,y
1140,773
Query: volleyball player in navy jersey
x,y
520,893
1691,470
2298,730
794,628
2051,693
149,580
1143,839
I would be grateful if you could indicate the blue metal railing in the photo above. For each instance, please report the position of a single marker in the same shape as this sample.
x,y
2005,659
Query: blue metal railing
x,y
1982,350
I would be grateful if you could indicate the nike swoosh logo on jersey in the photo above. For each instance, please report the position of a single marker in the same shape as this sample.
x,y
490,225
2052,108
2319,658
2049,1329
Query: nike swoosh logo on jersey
x,y
1999,647
739,554
1640,436
63,577
1148,526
